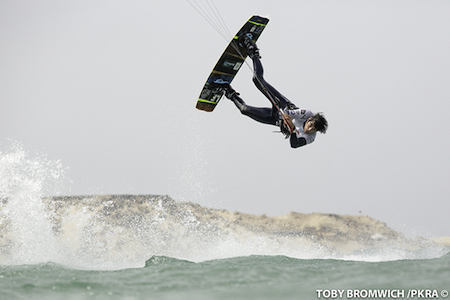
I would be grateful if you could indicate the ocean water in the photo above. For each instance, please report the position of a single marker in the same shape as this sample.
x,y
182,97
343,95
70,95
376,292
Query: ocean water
x,y
153,247
250,277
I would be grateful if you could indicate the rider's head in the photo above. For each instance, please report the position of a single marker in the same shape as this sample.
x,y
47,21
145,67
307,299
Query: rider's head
x,y
320,123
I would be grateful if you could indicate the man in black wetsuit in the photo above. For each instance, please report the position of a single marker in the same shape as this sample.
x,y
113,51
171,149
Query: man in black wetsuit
x,y
299,125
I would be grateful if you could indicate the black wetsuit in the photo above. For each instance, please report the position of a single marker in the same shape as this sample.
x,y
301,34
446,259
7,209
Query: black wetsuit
x,y
267,115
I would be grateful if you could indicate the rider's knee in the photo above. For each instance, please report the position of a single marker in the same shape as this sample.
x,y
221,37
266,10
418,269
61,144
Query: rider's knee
x,y
257,79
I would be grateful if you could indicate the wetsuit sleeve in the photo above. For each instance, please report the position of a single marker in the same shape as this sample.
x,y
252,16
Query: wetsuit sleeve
x,y
297,142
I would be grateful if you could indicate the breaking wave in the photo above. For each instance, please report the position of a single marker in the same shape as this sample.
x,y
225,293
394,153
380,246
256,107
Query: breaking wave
x,y
122,231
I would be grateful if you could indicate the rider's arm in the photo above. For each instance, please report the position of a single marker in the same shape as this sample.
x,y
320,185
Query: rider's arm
x,y
297,142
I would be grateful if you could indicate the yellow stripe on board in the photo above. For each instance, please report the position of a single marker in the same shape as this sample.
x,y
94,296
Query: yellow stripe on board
x,y
256,23
206,101
259,24
223,73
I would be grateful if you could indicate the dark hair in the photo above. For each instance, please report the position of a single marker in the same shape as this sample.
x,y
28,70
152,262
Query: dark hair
x,y
320,123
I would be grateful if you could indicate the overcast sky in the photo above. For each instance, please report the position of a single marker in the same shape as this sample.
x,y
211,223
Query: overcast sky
x,y
110,87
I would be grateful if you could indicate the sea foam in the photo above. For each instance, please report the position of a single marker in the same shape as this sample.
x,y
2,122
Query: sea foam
x,y
123,231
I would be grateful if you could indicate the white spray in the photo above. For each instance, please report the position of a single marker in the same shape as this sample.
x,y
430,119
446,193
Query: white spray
x,y
26,235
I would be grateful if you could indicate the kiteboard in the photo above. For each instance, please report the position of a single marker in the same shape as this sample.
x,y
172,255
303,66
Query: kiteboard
x,y
228,65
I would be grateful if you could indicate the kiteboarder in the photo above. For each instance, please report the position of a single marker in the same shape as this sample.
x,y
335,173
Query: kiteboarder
x,y
298,124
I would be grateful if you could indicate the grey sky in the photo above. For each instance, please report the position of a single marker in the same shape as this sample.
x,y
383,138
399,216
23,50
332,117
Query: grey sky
x,y
109,87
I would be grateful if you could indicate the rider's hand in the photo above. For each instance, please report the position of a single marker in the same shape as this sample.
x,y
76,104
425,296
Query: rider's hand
x,y
288,120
